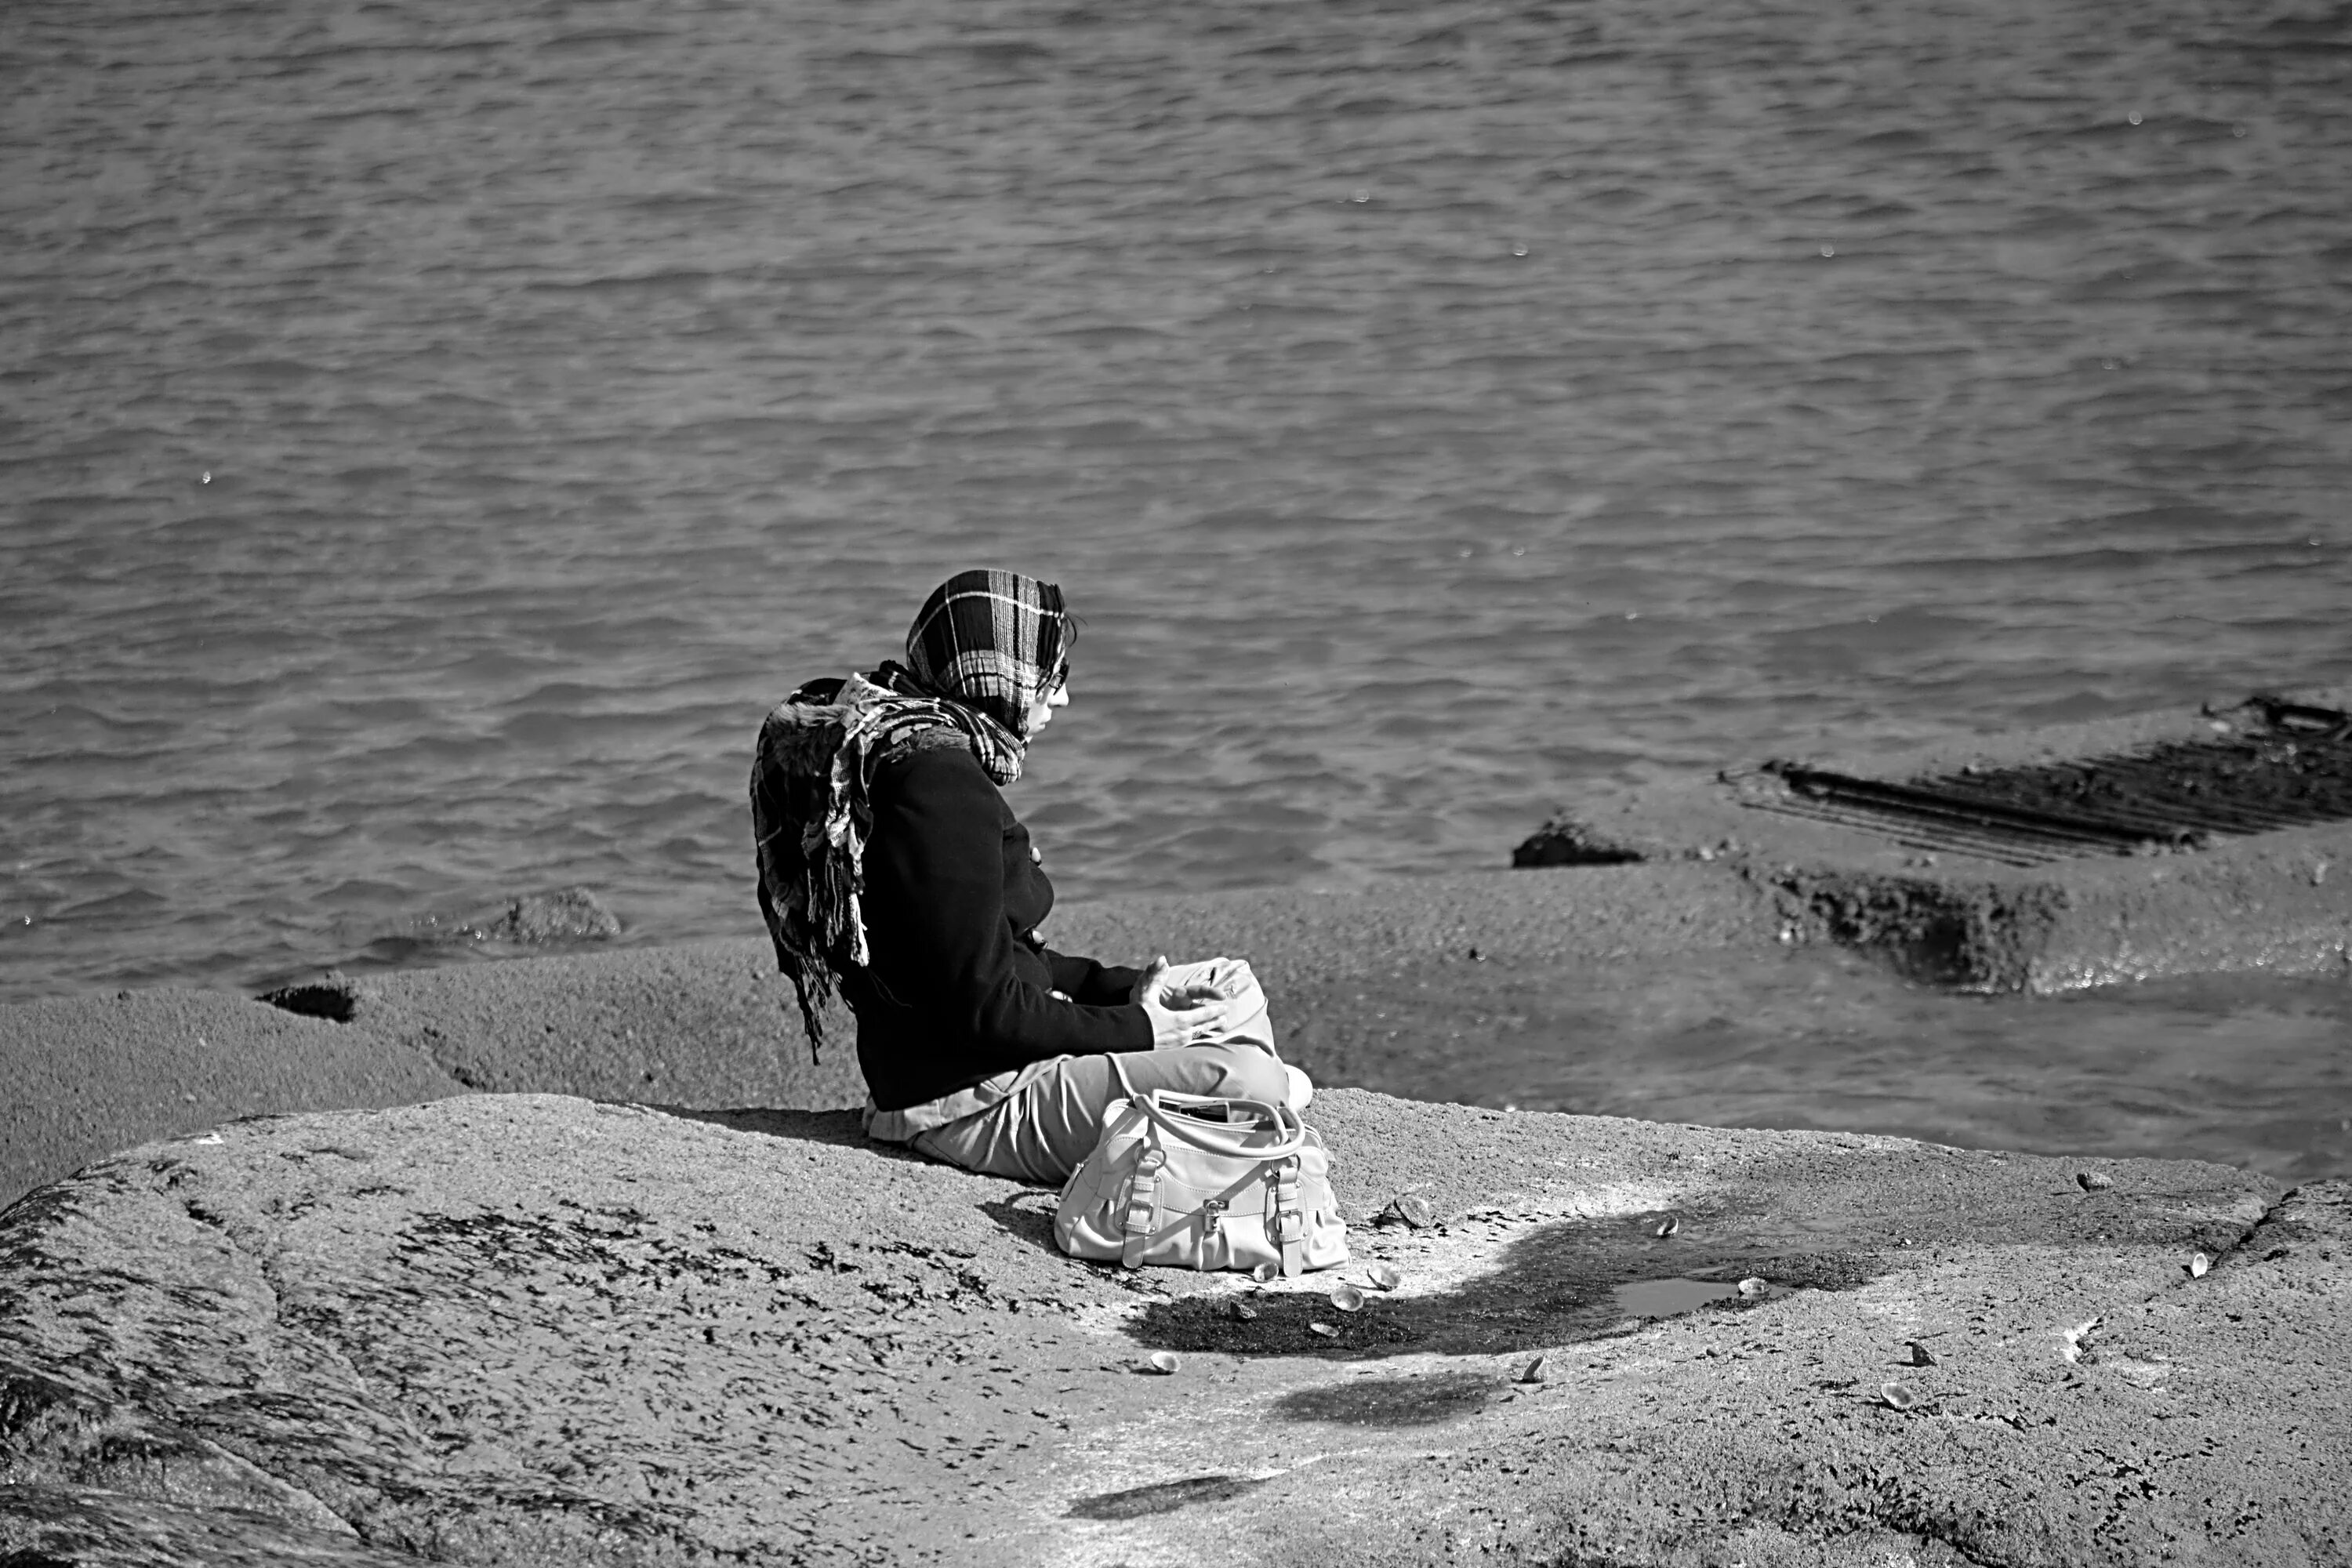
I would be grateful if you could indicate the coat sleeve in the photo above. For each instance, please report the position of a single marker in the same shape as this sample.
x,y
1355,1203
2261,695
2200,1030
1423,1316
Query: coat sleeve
x,y
1084,980
943,945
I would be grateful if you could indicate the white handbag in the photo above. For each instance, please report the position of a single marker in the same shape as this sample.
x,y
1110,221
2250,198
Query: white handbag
x,y
1194,1182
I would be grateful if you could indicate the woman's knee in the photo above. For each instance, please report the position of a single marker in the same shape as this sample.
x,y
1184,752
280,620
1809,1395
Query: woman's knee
x,y
1251,1074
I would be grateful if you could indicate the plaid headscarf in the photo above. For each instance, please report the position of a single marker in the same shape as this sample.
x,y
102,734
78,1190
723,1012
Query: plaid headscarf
x,y
995,641
817,759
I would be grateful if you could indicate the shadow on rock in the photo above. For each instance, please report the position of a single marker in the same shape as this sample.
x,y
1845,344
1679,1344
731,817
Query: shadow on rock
x,y
1166,1497
1558,1284
842,1129
1578,1280
1028,1216
1422,1401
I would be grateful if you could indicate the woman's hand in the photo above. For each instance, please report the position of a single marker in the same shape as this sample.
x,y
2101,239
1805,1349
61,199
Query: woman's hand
x,y
1179,1018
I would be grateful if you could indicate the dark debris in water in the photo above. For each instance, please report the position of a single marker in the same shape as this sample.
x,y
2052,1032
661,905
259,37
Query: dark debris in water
x,y
2270,764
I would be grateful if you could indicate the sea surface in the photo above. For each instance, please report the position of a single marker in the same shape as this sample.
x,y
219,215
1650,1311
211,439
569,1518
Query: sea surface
x,y
433,432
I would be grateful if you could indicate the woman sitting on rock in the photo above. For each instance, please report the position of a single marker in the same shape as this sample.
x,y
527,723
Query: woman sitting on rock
x,y
892,870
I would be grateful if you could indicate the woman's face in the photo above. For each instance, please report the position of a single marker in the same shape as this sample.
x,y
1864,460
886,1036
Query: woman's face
x,y
1042,713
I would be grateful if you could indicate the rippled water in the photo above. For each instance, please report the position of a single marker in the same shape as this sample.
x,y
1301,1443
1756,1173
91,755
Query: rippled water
x,y
433,432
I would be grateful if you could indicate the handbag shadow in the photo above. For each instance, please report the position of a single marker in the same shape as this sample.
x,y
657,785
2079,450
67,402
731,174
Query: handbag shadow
x,y
1017,1214
842,1129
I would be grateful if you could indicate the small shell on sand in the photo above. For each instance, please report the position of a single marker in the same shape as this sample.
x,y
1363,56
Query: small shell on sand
x,y
1752,1287
1920,1355
1534,1372
1387,1276
1264,1272
2094,1181
2198,1265
1161,1361
1670,1224
1325,1330
1899,1396
1413,1209
1348,1299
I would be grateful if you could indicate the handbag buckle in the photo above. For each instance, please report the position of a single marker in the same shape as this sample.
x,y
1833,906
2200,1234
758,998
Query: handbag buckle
x,y
1212,1216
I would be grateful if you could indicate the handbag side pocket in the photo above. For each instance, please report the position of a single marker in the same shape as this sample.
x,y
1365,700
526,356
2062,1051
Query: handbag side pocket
x,y
1089,1220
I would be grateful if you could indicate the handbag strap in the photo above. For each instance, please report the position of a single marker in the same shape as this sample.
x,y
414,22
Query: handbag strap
x,y
1186,1129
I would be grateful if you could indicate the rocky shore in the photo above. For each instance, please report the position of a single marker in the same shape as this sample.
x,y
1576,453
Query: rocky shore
x,y
581,1259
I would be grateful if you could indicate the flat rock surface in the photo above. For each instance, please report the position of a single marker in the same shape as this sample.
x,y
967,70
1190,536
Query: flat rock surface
x,y
86,1076
531,1328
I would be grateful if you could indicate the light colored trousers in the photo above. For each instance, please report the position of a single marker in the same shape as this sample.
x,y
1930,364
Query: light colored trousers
x,y
1049,1123
1051,1115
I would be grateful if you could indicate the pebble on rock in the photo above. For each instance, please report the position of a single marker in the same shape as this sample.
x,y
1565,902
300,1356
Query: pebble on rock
x,y
1161,1361
2094,1181
2198,1266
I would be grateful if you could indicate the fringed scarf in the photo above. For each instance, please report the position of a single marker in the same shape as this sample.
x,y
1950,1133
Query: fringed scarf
x,y
985,649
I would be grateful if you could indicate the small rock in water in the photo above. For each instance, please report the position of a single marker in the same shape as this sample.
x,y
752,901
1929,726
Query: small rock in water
x,y
568,914
1325,1330
1387,1276
1348,1299
1161,1361
2094,1181
2198,1266
1899,1396
1752,1287
1534,1372
1920,1355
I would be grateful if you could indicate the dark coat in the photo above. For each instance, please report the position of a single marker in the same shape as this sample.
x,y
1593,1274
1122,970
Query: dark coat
x,y
959,988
